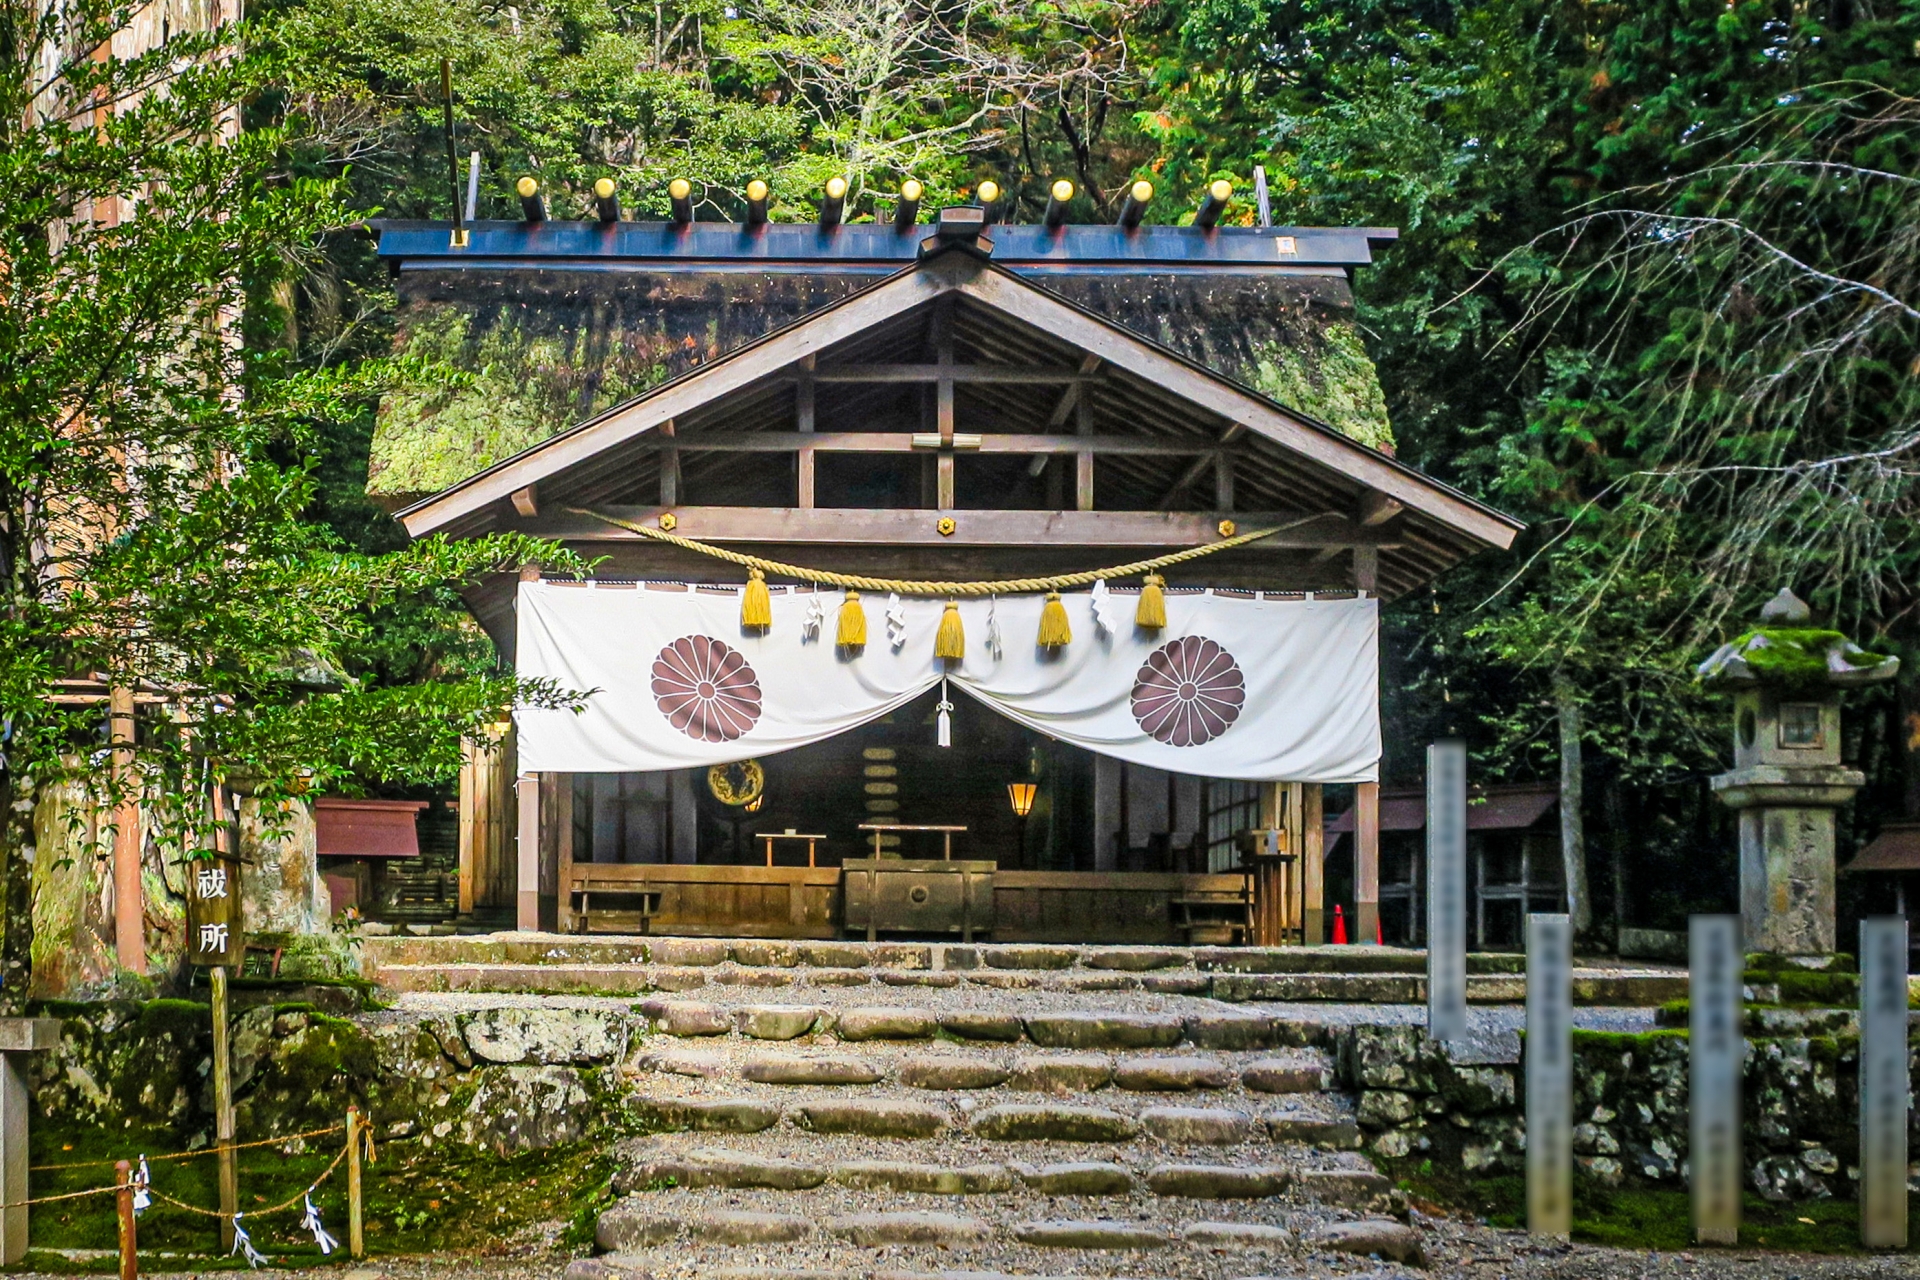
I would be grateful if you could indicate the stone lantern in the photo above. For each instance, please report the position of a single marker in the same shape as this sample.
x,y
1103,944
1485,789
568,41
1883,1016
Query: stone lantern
x,y
1786,676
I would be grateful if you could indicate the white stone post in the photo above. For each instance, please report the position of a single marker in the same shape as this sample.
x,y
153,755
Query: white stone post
x,y
1715,1048
1883,1082
1549,1052
18,1036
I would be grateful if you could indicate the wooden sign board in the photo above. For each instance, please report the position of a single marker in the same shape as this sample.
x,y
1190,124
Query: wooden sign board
x,y
214,931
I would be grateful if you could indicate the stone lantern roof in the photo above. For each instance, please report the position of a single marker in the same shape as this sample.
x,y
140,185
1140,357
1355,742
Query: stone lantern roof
x,y
1788,653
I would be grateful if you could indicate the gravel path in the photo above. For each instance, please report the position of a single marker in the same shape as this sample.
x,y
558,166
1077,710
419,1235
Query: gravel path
x,y
1460,1251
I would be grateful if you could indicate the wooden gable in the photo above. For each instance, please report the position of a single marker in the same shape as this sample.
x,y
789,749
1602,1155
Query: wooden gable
x,y
1050,438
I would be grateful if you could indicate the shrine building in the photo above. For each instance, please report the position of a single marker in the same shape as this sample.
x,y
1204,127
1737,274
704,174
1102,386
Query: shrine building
x,y
950,578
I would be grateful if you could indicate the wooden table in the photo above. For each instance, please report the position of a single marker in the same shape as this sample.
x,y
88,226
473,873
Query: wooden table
x,y
879,828
771,836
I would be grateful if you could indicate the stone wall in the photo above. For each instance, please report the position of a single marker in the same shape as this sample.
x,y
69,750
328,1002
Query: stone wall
x,y
502,1080
1417,1104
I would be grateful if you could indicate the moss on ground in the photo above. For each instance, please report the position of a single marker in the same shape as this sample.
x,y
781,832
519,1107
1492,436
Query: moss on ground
x,y
1645,1217
416,1202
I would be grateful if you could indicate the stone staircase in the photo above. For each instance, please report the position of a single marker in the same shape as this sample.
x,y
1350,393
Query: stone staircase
x,y
861,1110
869,1140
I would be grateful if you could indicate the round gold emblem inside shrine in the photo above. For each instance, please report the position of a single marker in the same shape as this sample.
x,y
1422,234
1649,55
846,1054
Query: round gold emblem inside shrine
x,y
738,784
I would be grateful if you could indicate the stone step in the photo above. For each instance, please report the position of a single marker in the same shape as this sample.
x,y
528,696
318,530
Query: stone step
x,y
1175,1176
716,1240
1226,1029
1325,1127
1623,988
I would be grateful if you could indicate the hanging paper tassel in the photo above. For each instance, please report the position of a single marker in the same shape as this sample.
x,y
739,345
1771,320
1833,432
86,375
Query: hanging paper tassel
x,y
756,607
995,644
1055,631
1152,613
243,1244
142,1179
1102,602
945,709
950,642
853,623
896,620
815,617
312,1223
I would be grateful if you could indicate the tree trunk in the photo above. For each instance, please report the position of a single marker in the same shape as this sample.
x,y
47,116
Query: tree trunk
x,y
1573,832
1909,737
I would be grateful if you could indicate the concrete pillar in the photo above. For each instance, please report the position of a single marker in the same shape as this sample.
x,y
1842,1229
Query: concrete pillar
x,y
18,1037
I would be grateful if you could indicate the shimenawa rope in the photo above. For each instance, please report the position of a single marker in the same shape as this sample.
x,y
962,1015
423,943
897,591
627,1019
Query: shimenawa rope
x,y
913,587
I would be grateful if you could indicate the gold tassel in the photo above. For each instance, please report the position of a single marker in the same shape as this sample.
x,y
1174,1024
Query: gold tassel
x,y
853,623
1055,631
756,608
1152,613
950,642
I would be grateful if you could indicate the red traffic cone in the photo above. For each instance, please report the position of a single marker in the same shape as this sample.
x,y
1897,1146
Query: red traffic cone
x,y
1339,926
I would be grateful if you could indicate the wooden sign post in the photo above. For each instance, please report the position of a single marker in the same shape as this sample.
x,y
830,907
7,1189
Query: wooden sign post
x,y
1549,1052
1883,1082
215,941
1447,891
1715,1048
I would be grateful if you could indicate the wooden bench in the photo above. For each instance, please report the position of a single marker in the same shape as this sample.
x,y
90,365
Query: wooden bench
x,y
626,883
1215,915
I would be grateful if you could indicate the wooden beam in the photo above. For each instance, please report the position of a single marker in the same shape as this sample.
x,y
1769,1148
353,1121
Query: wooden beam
x,y
804,423
1233,432
1223,480
888,526
1001,373
1071,396
943,405
1366,863
912,441
527,501
1377,508
669,466
1083,461
1366,569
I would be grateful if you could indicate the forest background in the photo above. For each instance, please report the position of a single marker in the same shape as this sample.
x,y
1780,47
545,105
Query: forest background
x,y
1654,294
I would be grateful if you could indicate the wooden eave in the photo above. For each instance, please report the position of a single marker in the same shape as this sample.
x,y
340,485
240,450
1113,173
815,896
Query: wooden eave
x,y
1175,414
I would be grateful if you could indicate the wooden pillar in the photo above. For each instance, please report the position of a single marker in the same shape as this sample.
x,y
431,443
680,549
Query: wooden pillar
x,y
1083,461
527,857
1366,861
563,832
18,1036
1269,873
669,468
804,424
1313,866
129,906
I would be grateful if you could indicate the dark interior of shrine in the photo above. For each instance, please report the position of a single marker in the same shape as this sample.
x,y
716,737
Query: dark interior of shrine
x,y
1083,813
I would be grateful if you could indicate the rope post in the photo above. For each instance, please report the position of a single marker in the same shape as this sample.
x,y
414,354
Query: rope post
x,y
356,1230
223,1109
123,1193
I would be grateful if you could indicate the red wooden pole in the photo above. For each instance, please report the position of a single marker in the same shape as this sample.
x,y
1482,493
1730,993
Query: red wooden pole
x,y
129,1256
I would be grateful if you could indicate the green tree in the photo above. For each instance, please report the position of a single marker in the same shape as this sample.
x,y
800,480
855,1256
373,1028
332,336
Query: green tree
x,y
153,468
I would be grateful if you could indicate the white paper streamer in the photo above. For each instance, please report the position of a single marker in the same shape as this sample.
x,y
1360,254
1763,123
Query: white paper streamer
x,y
311,1222
816,616
142,1179
896,621
243,1244
946,717
1102,607
995,648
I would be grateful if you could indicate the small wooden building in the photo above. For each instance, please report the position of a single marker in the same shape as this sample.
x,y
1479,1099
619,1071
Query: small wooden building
x,y
1513,861
949,402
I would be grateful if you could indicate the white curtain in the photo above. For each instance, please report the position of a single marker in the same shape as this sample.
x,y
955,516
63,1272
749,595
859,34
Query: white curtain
x,y
1233,687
